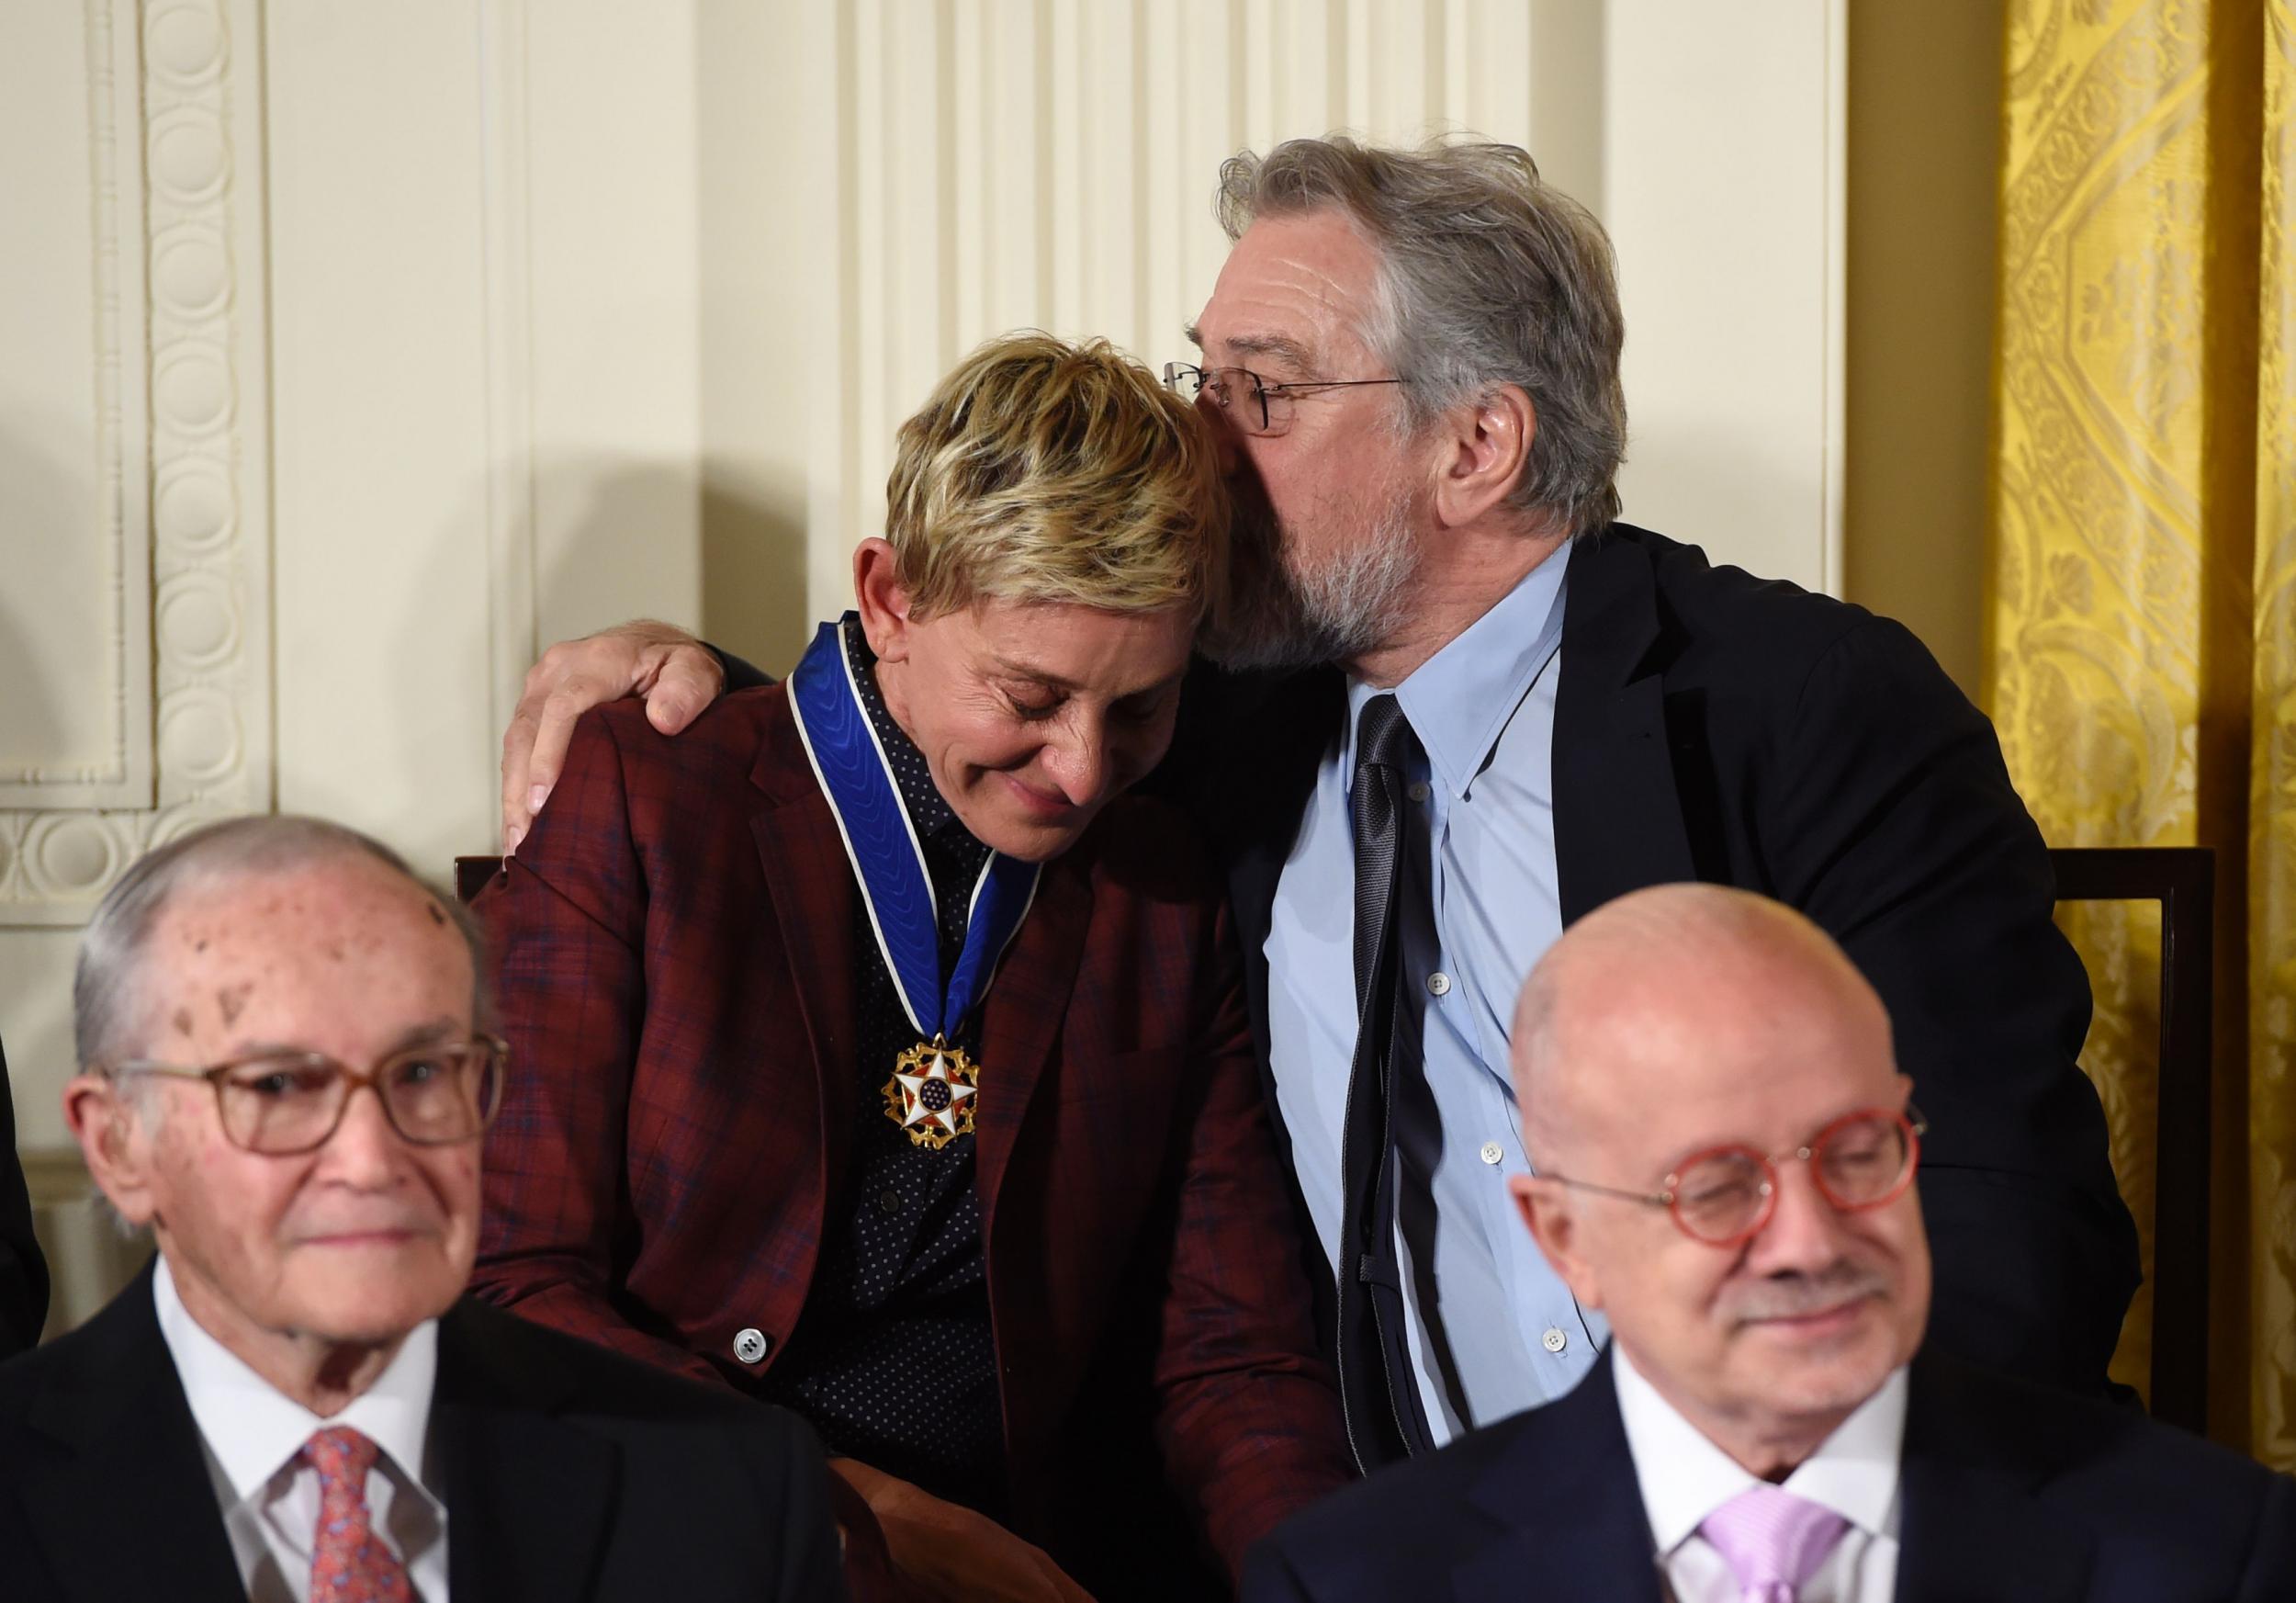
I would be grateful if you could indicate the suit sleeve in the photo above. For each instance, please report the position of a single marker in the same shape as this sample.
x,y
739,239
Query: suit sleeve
x,y
1248,1418
1896,828
1268,1577
564,932
740,672
23,1272
810,1568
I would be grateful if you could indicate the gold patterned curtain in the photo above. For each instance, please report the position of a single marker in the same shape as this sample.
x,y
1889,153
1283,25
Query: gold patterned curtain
x,y
2141,660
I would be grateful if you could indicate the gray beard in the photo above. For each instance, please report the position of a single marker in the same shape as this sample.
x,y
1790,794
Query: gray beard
x,y
1279,618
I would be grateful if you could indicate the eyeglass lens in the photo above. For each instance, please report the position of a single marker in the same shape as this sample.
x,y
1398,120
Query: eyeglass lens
x,y
431,1096
1257,414
1856,1164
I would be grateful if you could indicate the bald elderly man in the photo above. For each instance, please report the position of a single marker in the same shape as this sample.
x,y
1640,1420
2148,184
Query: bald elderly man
x,y
1725,1155
286,1075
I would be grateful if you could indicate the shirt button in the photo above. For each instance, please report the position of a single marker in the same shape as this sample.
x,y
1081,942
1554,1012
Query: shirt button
x,y
751,1344
1554,1341
1418,791
1491,1152
889,1201
1439,983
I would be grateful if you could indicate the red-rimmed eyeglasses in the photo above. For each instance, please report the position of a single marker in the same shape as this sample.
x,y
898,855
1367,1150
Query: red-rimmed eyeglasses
x,y
1724,1195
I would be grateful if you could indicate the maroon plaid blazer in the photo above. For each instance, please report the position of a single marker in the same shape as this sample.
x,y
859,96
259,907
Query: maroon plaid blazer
x,y
672,952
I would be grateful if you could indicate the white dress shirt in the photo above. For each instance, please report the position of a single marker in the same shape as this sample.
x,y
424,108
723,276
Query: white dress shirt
x,y
1490,1329
1684,1477
270,1497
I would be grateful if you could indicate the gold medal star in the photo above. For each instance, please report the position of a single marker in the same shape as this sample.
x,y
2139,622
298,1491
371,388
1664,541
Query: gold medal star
x,y
931,1094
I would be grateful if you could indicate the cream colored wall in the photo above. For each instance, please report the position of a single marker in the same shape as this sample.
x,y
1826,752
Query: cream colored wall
x,y
356,350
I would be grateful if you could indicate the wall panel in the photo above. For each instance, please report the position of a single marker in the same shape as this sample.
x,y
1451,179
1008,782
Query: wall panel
x,y
358,351
1051,163
134,468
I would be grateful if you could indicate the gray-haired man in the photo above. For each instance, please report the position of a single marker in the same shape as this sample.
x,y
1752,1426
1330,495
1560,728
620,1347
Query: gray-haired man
x,y
297,1402
1526,708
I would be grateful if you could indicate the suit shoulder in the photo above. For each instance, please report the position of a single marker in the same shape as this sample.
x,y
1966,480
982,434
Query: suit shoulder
x,y
722,742
39,1373
1709,604
626,783
1152,844
2127,1474
122,1335
1737,633
1415,1508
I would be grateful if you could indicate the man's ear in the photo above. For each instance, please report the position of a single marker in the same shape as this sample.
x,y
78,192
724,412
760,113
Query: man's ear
x,y
114,1143
1485,448
882,599
1548,1214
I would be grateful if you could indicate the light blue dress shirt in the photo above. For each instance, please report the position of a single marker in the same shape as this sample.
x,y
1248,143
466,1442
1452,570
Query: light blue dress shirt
x,y
1491,1330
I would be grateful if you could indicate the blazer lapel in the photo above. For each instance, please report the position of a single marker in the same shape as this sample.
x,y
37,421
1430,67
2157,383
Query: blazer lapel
x,y
1619,822
528,1497
132,1459
809,882
1021,1021
1569,1524
1972,1525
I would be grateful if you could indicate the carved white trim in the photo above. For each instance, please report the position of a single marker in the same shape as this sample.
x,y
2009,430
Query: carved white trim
x,y
184,443
123,527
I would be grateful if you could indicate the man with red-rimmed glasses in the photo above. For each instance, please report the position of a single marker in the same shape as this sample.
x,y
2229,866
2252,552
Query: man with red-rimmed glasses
x,y
1725,1157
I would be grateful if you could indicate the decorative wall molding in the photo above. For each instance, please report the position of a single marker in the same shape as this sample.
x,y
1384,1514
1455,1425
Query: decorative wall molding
x,y
993,166
123,528
183,450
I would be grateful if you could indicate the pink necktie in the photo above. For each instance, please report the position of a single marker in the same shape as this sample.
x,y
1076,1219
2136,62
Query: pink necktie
x,y
349,1562
1773,1540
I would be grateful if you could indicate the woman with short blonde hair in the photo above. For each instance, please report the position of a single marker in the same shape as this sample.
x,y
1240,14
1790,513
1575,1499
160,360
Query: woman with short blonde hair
x,y
879,1058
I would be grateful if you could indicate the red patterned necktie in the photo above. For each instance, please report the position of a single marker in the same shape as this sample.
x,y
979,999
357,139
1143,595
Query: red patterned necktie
x,y
349,1562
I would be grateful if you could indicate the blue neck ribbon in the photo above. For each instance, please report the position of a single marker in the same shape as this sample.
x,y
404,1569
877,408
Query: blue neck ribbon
x,y
849,763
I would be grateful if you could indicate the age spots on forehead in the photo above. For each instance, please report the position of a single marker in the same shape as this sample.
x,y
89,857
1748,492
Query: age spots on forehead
x,y
182,1021
232,1000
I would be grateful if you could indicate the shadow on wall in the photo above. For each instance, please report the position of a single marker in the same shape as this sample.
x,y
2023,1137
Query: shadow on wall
x,y
753,568
617,539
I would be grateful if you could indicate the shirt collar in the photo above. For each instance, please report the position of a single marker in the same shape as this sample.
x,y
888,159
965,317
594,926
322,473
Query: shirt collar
x,y
254,1429
1460,699
929,810
1684,1477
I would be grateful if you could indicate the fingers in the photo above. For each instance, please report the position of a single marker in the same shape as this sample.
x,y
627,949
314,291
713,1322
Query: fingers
x,y
676,674
686,679
571,678
554,731
518,744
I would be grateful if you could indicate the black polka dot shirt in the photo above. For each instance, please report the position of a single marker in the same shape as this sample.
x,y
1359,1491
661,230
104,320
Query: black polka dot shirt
x,y
893,1361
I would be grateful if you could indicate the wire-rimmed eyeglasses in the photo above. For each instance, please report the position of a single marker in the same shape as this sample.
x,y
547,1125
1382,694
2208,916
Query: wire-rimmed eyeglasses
x,y
1255,405
1724,1195
282,1103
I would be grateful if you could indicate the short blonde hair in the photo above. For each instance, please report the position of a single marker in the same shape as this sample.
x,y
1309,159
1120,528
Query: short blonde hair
x,y
1045,471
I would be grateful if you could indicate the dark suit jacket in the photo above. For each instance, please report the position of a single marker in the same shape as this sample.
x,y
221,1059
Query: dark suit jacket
x,y
2010,1492
571,1475
23,1272
673,958
1714,725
